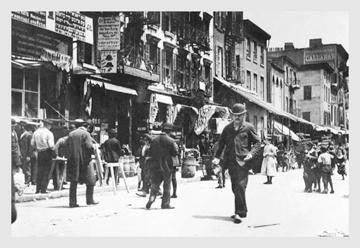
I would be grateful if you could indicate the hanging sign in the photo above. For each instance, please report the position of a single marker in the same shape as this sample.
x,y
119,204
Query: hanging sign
x,y
205,113
109,33
58,59
108,62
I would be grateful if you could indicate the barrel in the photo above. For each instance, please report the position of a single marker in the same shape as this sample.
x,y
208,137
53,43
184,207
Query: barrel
x,y
126,166
189,167
132,166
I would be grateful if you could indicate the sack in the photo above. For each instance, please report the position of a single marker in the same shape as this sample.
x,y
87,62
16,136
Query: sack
x,y
175,161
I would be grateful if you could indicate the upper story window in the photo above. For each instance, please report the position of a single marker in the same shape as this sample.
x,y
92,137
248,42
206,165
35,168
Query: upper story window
x,y
307,92
219,61
167,65
255,57
153,18
248,79
248,48
262,55
166,21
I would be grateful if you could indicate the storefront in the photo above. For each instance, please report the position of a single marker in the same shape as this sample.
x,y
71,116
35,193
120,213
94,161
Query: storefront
x,y
40,67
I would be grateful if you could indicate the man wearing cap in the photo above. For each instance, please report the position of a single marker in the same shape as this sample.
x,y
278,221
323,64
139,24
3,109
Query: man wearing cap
x,y
43,142
112,151
162,148
237,139
80,170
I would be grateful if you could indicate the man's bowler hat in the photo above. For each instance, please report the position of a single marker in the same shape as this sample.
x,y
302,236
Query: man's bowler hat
x,y
238,109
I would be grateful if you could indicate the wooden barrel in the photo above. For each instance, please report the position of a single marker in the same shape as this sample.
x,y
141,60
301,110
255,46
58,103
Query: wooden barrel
x,y
126,166
132,166
189,167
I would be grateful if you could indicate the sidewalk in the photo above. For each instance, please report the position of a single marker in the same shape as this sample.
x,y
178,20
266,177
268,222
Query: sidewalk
x,y
132,182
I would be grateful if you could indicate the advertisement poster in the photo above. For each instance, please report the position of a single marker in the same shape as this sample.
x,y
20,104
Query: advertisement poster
x,y
109,33
108,62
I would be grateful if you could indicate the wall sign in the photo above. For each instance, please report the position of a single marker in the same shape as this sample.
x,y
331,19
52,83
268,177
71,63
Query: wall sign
x,y
320,55
109,33
108,62
68,23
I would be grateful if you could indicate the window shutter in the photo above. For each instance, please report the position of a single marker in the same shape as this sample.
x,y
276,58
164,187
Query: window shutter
x,y
163,64
174,68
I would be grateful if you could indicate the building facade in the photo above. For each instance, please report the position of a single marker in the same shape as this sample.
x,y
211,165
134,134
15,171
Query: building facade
x,y
318,53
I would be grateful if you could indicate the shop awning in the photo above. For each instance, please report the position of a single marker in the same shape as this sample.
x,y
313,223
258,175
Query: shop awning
x,y
263,104
22,63
120,89
285,130
164,99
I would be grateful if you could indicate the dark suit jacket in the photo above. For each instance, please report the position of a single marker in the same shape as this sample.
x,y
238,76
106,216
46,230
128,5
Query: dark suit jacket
x,y
162,148
15,151
238,144
112,150
80,149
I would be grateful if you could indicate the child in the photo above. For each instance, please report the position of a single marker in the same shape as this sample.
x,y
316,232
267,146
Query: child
x,y
341,163
324,161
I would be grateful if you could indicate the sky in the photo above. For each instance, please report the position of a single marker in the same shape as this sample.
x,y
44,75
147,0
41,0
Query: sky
x,y
300,26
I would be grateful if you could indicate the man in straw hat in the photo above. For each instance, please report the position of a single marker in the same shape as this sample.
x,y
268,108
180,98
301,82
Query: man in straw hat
x,y
237,139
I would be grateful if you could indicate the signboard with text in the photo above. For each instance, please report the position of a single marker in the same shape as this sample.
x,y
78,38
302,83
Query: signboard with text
x,y
320,56
68,23
109,33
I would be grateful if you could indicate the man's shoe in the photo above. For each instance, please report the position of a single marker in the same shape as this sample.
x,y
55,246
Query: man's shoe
x,y
219,187
92,203
174,196
167,207
267,183
237,219
148,205
243,215
332,192
74,205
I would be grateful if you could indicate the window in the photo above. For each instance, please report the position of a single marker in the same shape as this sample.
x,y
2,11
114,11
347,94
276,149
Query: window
x,y
307,92
287,104
262,88
248,79
153,18
262,55
238,61
180,70
255,83
219,61
25,92
228,66
167,66
166,21
152,56
248,49
306,116
255,123
255,52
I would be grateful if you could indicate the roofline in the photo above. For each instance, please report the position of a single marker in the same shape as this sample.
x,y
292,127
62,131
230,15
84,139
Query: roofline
x,y
325,66
257,28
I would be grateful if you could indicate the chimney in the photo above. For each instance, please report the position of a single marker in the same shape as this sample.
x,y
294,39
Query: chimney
x,y
289,46
314,43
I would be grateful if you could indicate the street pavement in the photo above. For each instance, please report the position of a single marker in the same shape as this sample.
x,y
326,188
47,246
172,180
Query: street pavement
x,y
278,210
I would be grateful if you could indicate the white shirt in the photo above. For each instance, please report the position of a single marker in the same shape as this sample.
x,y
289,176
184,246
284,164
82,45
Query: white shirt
x,y
42,139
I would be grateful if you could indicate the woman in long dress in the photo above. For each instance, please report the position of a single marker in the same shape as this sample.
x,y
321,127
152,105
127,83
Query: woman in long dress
x,y
268,166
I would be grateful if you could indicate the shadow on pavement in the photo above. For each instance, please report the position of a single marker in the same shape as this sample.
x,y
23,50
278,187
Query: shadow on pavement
x,y
66,206
210,217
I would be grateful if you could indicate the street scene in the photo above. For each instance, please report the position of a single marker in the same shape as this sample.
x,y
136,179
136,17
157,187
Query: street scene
x,y
280,210
213,121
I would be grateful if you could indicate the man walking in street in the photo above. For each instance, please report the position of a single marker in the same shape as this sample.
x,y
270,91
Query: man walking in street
x,y
43,142
162,148
15,165
80,150
238,138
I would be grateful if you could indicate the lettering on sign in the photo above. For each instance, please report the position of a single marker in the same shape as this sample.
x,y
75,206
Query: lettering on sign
x,y
320,55
109,33
68,23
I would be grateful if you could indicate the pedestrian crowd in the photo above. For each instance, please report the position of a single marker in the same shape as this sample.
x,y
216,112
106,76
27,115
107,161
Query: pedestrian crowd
x,y
238,151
